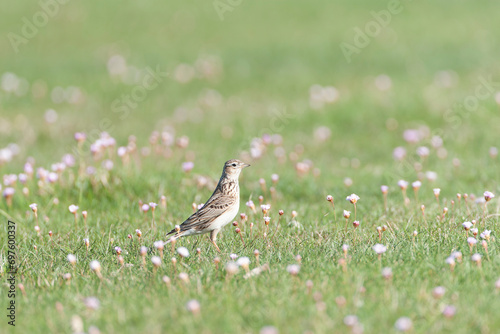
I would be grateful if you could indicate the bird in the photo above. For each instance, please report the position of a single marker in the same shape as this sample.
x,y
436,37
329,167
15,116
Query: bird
x,y
219,210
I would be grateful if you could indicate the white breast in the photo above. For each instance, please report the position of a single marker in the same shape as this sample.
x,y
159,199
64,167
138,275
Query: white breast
x,y
226,217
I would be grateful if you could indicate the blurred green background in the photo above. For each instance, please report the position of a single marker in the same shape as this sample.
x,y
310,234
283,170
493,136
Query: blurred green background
x,y
270,54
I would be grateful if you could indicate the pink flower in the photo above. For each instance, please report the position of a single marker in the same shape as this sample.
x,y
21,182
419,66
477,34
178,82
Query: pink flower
x,y
412,136
467,225
488,195
187,166
399,153
423,151
293,269
80,137
379,249
471,241
403,184
449,311
353,198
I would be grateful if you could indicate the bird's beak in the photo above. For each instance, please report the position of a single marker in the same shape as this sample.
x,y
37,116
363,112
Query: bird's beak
x,y
246,165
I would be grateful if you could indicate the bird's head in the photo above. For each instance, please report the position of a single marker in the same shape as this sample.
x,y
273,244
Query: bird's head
x,y
233,167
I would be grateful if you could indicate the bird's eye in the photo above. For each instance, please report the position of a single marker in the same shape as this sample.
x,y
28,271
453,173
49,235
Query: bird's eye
x,y
234,165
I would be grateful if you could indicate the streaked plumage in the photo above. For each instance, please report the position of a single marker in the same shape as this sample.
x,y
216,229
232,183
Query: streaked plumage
x,y
220,209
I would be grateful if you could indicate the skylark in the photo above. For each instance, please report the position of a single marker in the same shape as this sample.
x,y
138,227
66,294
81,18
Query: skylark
x,y
219,210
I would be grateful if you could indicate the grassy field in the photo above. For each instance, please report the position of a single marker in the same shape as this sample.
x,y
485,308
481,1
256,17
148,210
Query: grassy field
x,y
271,83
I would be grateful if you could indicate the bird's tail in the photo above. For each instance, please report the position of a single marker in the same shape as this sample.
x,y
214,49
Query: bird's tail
x,y
176,235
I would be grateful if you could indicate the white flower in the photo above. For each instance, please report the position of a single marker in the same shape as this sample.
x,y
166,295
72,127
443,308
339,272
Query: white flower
x,y
485,234
71,258
347,182
347,214
33,206
92,303
402,184
387,273
243,262
231,268
450,260
480,200
457,255
416,184
476,258
403,324
193,306
265,207
345,248
156,261
122,151
379,249
438,292
467,225
233,256
351,320
143,251
384,189
353,198
183,251
158,245
436,191
73,208
95,265
431,176
293,269
423,151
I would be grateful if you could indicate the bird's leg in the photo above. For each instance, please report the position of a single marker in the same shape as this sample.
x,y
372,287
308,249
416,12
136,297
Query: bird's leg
x,y
213,237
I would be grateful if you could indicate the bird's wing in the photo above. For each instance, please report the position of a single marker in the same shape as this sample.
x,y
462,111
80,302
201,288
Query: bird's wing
x,y
216,205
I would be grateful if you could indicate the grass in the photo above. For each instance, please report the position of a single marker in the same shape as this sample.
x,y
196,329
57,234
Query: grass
x,y
267,71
